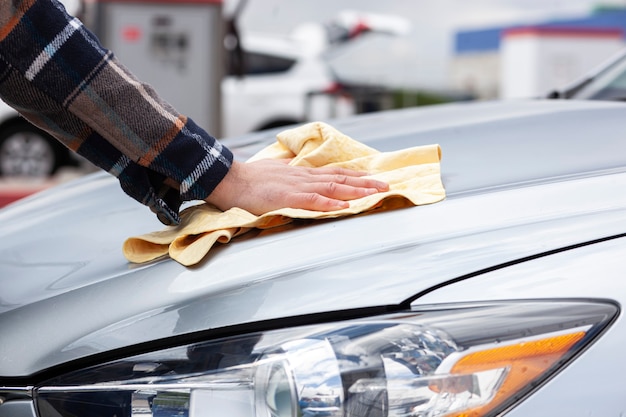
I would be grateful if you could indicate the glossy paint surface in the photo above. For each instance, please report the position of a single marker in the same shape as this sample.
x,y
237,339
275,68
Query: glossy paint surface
x,y
523,179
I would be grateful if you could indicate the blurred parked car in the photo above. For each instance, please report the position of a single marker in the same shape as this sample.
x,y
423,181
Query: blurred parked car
x,y
503,299
280,80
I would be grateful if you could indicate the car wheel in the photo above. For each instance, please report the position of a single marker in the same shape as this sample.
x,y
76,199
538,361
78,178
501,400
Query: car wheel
x,y
26,151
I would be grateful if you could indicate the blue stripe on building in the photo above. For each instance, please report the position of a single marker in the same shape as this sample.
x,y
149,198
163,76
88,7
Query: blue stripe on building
x,y
488,40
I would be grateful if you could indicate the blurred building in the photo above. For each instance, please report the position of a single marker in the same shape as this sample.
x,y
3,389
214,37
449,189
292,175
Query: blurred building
x,y
520,60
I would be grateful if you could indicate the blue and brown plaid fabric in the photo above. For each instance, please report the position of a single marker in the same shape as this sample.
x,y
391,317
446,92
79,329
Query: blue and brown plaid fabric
x,y
56,74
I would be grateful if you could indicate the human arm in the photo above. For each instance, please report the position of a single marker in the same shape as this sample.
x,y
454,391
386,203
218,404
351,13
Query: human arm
x,y
58,76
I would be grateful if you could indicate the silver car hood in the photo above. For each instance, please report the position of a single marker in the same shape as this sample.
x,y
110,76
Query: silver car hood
x,y
68,292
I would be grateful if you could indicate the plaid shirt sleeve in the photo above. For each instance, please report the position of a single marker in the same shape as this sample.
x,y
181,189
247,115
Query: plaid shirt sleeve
x,y
58,76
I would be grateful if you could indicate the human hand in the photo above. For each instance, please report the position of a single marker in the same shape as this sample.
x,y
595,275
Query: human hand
x,y
269,184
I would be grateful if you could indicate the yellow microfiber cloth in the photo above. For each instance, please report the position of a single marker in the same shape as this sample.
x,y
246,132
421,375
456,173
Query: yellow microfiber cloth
x,y
413,175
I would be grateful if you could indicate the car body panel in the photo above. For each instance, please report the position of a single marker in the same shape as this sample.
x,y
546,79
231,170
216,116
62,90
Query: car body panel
x,y
593,271
61,252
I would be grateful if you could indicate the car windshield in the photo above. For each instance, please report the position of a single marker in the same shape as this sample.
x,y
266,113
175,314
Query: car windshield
x,y
257,63
609,84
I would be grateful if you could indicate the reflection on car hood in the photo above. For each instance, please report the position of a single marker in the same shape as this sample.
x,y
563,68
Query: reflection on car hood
x,y
67,291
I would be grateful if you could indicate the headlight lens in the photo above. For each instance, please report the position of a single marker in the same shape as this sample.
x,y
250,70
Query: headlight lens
x,y
464,360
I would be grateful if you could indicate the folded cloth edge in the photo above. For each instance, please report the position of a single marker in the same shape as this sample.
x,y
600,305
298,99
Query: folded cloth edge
x,y
196,220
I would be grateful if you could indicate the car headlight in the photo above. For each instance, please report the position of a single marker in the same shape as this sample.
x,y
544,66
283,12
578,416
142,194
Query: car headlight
x,y
454,360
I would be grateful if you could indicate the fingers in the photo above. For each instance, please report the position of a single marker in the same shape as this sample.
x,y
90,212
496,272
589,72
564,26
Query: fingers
x,y
317,202
340,184
352,181
338,191
321,191
267,185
